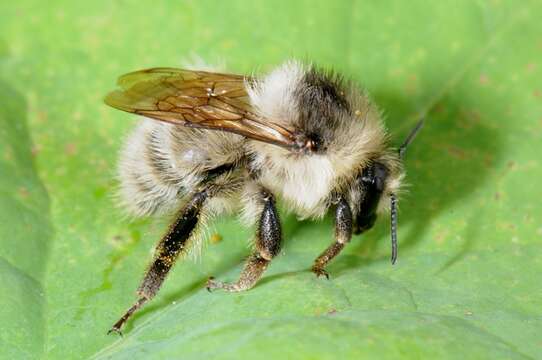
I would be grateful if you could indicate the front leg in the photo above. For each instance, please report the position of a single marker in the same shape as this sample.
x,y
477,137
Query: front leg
x,y
371,186
268,240
343,234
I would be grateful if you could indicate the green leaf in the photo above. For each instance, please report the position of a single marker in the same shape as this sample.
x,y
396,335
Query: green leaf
x,y
467,283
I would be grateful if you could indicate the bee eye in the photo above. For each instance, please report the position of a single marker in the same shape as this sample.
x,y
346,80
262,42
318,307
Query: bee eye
x,y
316,141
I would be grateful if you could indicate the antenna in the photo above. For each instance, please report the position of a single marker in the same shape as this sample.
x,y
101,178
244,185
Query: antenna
x,y
393,197
393,229
410,137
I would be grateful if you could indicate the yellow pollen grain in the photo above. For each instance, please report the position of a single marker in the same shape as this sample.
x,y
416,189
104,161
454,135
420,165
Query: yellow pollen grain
x,y
215,238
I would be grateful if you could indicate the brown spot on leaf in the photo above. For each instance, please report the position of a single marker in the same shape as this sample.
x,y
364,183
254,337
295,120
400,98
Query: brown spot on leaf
x,y
23,192
457,153
70,149
36,149
438,108
411,85
483,79
41,116
530,67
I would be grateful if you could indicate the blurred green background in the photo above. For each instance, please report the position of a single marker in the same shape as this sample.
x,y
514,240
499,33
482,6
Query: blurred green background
x,y
467,284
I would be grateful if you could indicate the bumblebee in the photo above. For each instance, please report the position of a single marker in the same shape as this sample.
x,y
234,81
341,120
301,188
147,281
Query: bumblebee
x,y
213,143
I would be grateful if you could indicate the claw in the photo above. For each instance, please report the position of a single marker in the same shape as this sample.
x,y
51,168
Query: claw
x,y
320,272
114,330
212,284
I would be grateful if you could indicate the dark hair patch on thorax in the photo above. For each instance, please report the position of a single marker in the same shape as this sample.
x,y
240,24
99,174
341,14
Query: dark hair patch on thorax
x,y
321,100
327,86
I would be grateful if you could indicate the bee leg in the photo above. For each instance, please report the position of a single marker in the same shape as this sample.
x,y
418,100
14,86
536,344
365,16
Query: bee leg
x,y
267,246
343,234
167,251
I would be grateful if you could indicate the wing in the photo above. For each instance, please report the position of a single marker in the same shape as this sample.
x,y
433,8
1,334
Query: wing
x,y
198,99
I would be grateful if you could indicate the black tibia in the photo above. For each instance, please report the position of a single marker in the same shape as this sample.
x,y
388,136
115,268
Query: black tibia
x,y
371,183
268,240
269,230
167,251
343,234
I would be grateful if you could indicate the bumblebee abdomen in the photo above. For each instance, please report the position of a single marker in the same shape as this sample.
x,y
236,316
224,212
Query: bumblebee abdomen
x,y
161,163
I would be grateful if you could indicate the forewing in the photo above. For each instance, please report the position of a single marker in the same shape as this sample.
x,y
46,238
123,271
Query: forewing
x,y
196,99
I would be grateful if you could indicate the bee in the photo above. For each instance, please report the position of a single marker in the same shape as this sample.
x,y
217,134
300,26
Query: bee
x,y
214,143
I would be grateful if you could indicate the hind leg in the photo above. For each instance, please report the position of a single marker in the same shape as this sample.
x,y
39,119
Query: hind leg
x,y
167,252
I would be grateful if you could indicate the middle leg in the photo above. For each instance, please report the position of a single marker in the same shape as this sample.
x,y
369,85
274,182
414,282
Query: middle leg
x,y
268,240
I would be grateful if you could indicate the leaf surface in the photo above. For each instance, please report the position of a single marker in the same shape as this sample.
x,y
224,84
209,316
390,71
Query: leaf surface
x,y
467,283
